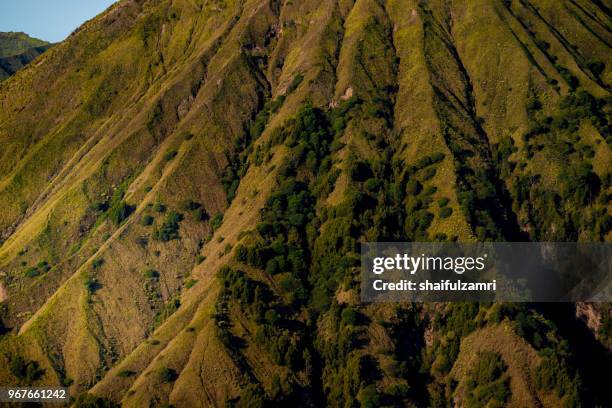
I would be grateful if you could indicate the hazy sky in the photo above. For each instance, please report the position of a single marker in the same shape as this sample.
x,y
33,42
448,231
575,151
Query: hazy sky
x,y
51,20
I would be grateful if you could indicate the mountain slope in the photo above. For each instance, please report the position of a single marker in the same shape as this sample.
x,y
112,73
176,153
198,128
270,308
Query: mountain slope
x,y
184,186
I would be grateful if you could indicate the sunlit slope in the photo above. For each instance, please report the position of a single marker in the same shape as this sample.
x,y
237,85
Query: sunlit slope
x,y
184,186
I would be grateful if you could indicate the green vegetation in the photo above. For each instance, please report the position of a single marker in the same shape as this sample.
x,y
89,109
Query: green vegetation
x,y
321,126
167,375
147,220
26,370
17,50
120,212
126,373
169,229
577,206
170,154
488,385
166,311
17,43
41,268
91,284
243,145
216,222
151,274
159,207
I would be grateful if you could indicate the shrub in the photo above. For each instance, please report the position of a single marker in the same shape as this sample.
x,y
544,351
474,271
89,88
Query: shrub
x,y
272,266
191,205
167,375
147,220
200,214
552,374
580,183
159,207
241,253
398,390
169,229
418,222
294,289
596,67
445,212
533,104
91,284
430,190
272,317
369,397
119,212
349,316
126,373
216,221
372,185
39,269
151,274
252,396
166,311
428,173
413,187
31,272
100,206
23,369
170,154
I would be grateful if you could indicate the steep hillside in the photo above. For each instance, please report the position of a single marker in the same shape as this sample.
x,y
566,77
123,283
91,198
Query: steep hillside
x,y
17,50
184,185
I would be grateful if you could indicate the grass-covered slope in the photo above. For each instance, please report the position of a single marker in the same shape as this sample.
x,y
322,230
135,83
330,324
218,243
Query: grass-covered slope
x,y
184,186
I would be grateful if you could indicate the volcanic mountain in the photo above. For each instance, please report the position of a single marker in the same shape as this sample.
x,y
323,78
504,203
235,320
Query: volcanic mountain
x,y
185,184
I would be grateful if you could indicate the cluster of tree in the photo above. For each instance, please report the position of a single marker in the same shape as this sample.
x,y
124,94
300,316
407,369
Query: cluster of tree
x,y
578,206
267,313
311,249
556,371
457,321
238,159
487,384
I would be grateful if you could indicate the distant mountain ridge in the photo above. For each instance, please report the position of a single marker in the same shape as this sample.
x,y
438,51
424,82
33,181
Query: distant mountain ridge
x,y
15,43
17,50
